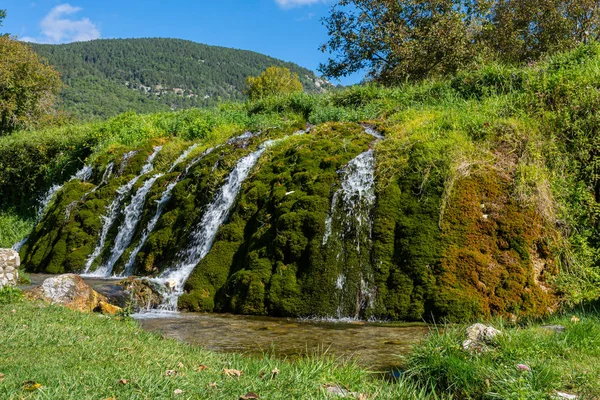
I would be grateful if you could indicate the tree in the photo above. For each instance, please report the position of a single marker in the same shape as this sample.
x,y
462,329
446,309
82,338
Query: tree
x,y
395,40
399,39
274,80
28,86
525,30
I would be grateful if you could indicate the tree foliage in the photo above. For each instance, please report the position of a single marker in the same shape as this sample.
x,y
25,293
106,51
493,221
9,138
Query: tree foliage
x,y
395,40
274,80
28,86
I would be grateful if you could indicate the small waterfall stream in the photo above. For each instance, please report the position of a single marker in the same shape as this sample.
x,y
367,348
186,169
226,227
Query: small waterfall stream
x,y
84,175
132,215
349,227
202,238
113,210
164,199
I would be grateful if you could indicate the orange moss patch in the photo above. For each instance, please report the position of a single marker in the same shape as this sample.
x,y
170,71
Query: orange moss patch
x,y
496,261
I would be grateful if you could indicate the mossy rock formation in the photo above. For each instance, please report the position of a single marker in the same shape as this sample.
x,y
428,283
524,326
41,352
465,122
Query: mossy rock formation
x,y
438,240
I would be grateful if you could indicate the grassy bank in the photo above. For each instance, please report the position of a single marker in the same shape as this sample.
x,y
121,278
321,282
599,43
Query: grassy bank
x,y
526,362
89,356
86,356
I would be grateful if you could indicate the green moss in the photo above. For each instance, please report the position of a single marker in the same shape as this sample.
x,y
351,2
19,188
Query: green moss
x,y
266,258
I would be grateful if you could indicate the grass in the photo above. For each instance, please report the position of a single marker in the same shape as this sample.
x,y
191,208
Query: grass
x,y
13,228
567,362
85,356
75,355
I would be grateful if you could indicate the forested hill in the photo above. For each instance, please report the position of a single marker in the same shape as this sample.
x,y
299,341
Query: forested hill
x,y
107,77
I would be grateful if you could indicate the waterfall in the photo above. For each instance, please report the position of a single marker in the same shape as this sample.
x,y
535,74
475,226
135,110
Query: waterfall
x,y
132,215
350,215
164,199
182,157
114,207
84,174
203,236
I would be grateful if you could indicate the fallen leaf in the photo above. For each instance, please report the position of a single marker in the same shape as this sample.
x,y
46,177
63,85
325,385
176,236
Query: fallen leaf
x,y
233,372
170,372
123,381
180,365
1,377
13,311
201,368
574,319
212,385
177,392
361,396
249,396
274,373
30,386
262,374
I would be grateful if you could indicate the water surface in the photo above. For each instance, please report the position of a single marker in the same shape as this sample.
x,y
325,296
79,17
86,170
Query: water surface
x,y
378,346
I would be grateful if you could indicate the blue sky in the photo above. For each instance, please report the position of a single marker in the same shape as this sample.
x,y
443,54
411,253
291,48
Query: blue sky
x,y
287,29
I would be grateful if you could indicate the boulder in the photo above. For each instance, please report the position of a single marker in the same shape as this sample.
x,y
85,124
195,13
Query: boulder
x,y
479,336
9,267
71,291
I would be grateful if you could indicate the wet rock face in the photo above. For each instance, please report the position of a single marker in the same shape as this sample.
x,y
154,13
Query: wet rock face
x,y
9,267
71,291
143,293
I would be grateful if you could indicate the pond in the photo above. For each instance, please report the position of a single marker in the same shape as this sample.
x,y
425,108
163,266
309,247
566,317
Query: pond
x,y
378,346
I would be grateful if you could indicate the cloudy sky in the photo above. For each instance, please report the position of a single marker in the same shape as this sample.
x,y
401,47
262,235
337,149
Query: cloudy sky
x,y
286,29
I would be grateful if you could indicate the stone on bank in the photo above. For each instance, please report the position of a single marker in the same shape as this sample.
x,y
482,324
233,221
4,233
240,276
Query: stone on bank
x,y
9,267
71,291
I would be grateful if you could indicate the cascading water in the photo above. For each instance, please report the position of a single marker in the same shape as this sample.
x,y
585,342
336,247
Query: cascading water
x,y
203,236
350,215
84,175
164,199
132,214
113,211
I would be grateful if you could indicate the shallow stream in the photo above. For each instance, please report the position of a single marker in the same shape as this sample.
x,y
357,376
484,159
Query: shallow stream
x,y
376,345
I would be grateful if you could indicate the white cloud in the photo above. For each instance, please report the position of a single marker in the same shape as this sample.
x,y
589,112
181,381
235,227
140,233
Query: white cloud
x,y
57,27
297,3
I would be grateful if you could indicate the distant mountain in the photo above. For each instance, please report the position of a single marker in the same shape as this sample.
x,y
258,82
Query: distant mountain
x,y
108,77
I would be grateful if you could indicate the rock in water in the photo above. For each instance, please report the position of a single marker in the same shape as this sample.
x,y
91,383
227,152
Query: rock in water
x,y
71,291
9,267
478,336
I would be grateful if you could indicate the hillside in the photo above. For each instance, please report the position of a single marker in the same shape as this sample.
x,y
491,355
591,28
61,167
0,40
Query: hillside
x,y
455,199
108,77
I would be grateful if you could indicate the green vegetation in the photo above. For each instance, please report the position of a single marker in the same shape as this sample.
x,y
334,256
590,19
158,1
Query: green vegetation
x,y
75,355
13,228
28,87
566,362
273,81
104,78
404,40
485,183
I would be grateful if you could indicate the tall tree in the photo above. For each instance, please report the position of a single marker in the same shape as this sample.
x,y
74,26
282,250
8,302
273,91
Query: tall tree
x,y
28,86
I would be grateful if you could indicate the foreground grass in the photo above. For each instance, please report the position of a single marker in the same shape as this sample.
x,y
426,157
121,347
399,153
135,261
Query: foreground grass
x,y
83,356
567,362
